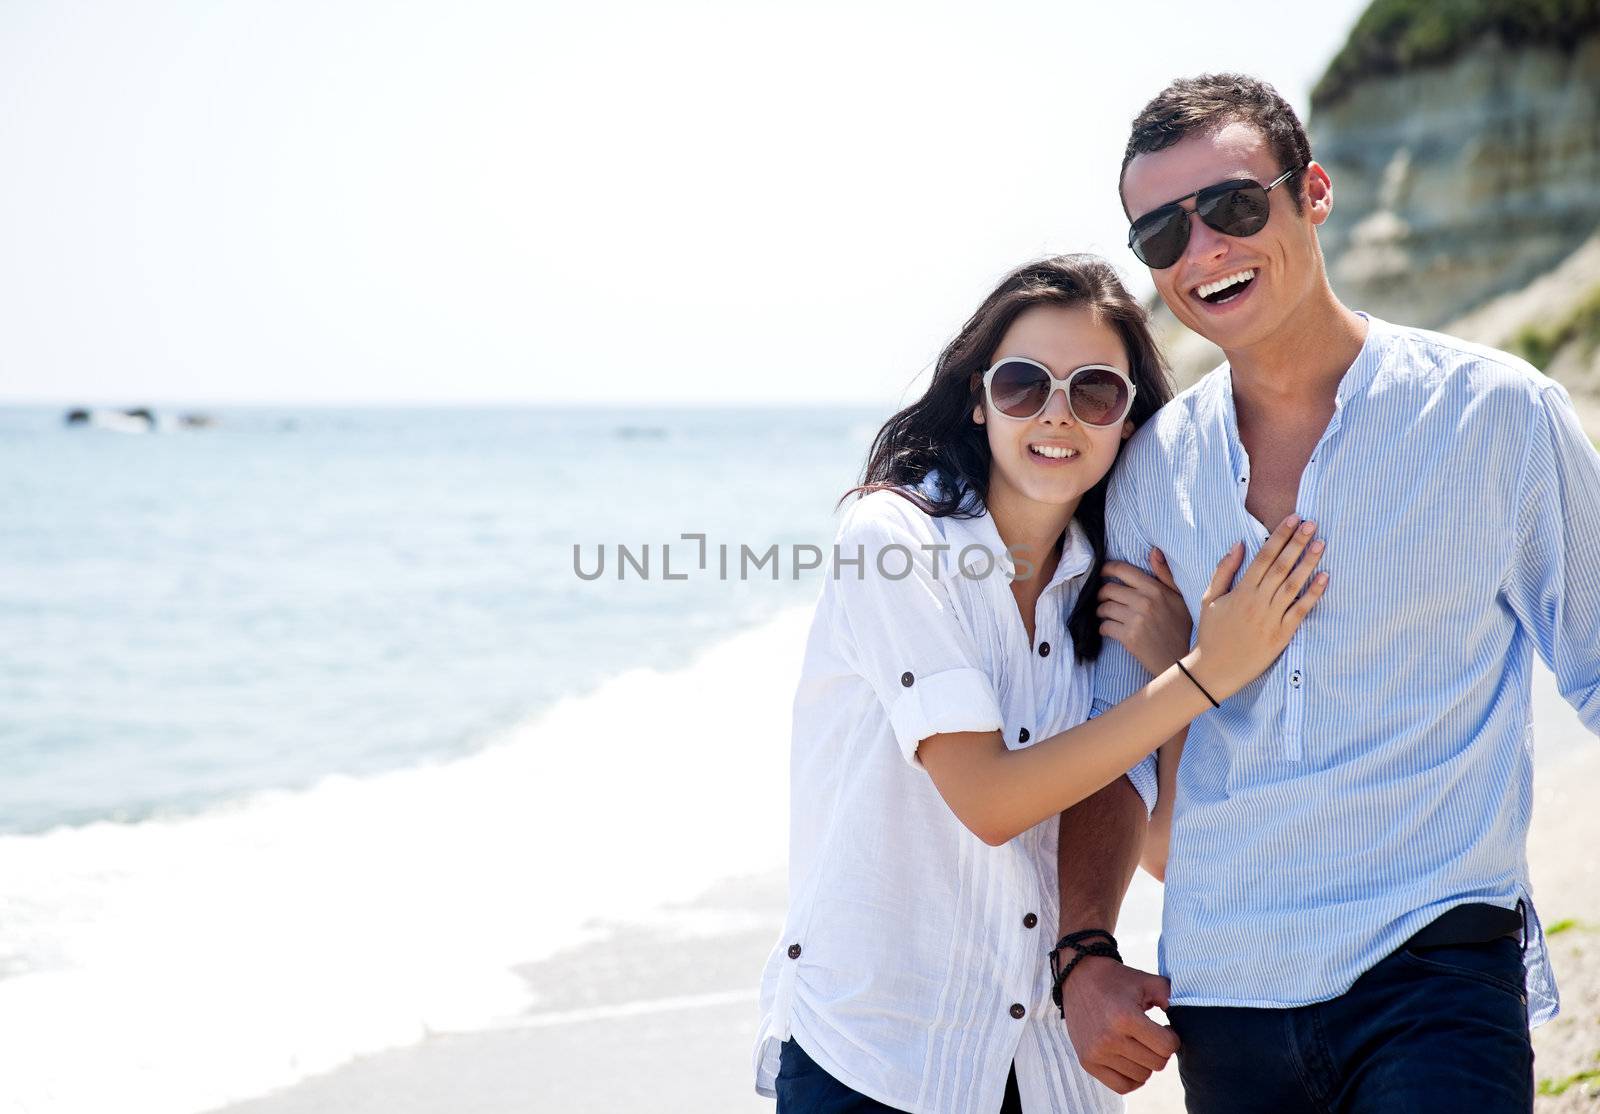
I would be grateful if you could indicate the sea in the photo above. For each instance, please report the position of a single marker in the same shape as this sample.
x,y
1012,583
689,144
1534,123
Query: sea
x,y
318,722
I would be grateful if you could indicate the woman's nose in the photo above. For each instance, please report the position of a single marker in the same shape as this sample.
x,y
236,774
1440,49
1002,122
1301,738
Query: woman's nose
x,y
1058,410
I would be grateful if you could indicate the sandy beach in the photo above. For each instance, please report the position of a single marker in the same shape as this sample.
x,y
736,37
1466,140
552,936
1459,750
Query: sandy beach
x,y
657,1014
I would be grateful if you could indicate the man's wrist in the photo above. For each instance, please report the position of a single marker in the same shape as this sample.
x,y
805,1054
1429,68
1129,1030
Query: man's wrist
x,y
1072,949
1086,965
1079,920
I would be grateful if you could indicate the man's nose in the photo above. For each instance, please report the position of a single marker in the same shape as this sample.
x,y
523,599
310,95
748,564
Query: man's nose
x,y
1205,242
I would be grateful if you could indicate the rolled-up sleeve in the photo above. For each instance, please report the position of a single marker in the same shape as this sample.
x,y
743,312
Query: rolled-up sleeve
x,y
895,625
1117,673
1553,584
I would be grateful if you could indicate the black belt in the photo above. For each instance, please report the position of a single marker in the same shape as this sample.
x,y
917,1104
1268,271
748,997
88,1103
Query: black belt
x,y
1474,923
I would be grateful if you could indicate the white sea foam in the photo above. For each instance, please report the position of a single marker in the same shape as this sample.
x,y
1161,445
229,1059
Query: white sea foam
x,y
178,964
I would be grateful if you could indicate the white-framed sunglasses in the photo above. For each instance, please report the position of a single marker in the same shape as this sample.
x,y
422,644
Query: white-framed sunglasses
x,y
1097,394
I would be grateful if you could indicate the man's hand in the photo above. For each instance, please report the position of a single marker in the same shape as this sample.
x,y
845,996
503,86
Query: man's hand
x,y
1116,1043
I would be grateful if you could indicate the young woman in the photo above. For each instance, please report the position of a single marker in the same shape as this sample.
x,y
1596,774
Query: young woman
x,y
939,727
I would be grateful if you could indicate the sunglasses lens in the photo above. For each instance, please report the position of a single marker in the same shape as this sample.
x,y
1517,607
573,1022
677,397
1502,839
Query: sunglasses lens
x,y
1018,390
1160,237
1099,397
1234,210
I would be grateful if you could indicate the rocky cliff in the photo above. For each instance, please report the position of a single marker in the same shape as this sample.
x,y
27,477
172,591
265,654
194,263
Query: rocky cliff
x,y
1465,159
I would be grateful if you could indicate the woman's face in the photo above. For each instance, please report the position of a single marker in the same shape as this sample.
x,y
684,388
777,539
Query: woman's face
x,y
1061,338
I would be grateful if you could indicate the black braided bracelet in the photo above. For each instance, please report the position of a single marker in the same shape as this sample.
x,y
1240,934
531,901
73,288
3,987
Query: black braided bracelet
x,y
1106,945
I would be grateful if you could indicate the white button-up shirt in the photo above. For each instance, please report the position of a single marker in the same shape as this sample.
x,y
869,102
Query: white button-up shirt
x,y
913,965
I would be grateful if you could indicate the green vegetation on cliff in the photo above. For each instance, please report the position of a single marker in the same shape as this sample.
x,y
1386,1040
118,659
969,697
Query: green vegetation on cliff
x,y
1538,344
1396,35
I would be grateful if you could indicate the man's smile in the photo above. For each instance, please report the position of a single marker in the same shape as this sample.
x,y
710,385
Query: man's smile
x,y
1221,290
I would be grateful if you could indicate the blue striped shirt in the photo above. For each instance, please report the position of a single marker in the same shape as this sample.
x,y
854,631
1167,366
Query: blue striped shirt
x,y
1381,771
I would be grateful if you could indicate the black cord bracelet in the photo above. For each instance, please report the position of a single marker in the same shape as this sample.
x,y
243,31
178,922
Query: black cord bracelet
x,y
1106,945
1197,684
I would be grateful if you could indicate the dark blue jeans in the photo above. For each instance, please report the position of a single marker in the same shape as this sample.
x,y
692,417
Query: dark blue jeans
x,y
1426,1031
804,1088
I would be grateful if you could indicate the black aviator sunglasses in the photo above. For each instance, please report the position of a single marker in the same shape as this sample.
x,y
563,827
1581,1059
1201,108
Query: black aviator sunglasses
x,y
1237,207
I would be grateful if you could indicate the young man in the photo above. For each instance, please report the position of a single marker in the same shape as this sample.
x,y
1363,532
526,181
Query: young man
x,y
1348,920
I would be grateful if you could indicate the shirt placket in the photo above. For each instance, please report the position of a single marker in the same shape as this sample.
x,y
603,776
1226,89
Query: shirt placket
x,y
1022,715
1294,701
1293,668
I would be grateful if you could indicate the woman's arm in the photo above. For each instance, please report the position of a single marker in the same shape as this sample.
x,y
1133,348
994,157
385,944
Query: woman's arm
x,y
999,793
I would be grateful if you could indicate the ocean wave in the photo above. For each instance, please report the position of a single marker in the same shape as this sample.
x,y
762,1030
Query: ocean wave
x,y
178,964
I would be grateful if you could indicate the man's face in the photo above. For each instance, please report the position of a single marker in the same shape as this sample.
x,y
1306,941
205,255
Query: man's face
x,y
1283,256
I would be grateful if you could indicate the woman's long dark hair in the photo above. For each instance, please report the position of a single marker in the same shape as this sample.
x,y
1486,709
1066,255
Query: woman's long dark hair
x,y
937,431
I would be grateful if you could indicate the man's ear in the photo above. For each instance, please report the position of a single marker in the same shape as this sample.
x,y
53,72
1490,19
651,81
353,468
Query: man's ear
x,y
1316,193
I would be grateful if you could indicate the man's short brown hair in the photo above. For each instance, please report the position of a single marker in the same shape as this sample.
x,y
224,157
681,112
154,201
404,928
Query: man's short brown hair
x,y
1196,105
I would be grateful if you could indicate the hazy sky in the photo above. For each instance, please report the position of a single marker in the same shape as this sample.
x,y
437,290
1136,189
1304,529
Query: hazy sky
x,y
628,202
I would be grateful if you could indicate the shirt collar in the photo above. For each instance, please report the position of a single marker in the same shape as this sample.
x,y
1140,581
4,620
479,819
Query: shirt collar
x,y
1356,379
1367,361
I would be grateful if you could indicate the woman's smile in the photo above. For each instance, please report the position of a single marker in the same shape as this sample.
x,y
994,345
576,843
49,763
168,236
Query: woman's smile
x,y
1052,454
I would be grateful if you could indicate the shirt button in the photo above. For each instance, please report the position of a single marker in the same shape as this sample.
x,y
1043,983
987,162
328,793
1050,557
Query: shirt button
x,y
907,679
1029,921
1044,649
794,951
1017,1010
1294,679
1022,736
